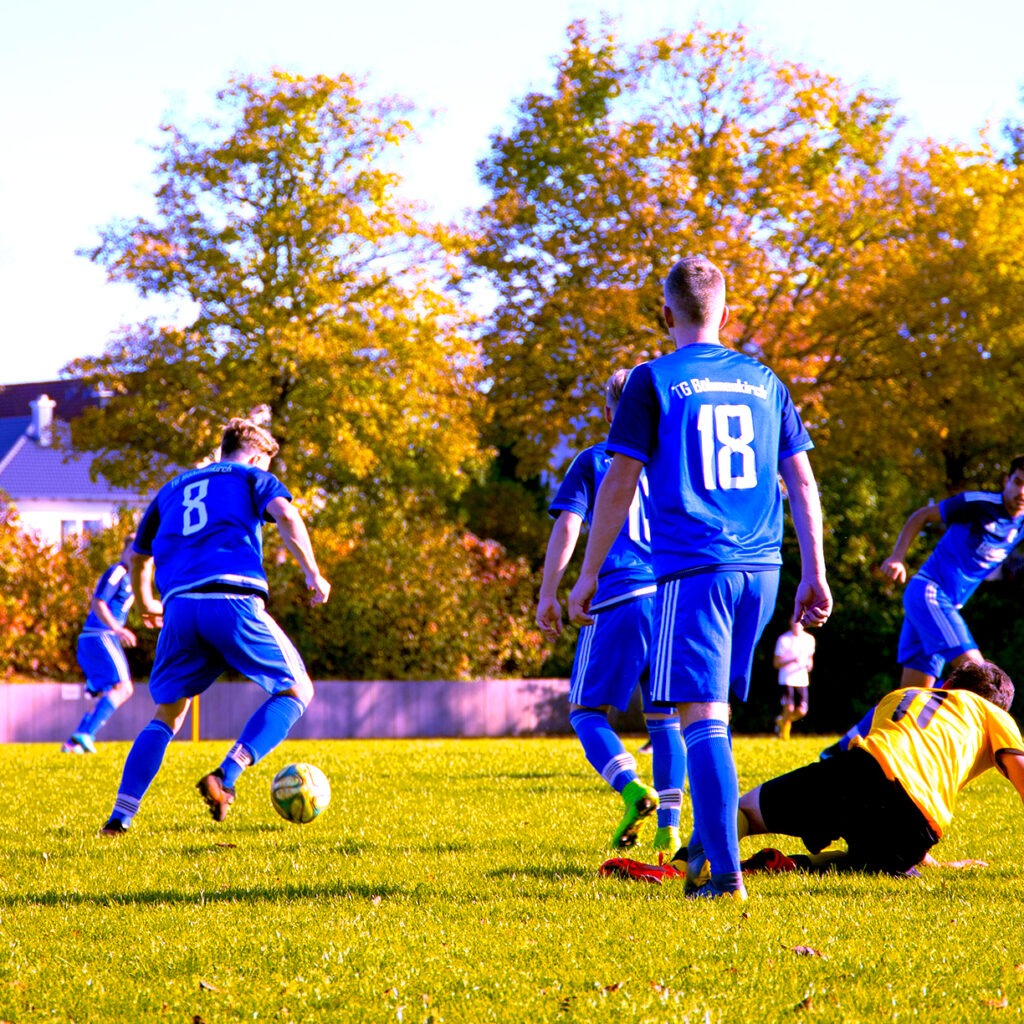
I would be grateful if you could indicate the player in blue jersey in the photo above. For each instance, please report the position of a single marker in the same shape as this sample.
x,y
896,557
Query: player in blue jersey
x,y
982,528
101,654
613,654
714,429
204,532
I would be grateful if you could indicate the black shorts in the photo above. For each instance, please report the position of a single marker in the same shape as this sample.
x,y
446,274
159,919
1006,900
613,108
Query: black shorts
x,y
849,797
794,697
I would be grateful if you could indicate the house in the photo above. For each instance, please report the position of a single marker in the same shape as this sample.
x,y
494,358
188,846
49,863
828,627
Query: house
x,y
49,483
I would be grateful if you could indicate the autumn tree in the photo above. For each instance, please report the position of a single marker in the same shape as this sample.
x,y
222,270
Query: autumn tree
x,y
303,284
695,142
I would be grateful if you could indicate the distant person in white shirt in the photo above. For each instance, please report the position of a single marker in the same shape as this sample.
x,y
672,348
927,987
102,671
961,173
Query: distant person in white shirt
x,y
794,658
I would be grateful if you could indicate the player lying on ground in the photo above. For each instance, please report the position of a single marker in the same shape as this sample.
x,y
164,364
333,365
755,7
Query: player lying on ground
x,y
891,795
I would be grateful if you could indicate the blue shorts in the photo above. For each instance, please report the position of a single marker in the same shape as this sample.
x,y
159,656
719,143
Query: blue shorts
x,y
706,627
613,657
103,661
204,635
934,631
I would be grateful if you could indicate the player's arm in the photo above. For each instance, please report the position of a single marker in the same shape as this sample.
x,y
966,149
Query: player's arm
x,y
813,597
142,583
1012,764
894,567
102,611
613,500
561,544
296,539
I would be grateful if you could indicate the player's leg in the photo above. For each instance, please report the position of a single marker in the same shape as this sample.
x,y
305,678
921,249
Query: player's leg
x,y
102,660
182,667
611,656
253,644
143,763
785,717
706,628
669,769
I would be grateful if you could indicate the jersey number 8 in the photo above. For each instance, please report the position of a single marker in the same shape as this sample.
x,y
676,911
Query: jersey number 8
x,y
195,517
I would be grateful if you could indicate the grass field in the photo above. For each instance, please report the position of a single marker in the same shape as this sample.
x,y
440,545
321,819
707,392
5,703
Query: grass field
x,y
456,881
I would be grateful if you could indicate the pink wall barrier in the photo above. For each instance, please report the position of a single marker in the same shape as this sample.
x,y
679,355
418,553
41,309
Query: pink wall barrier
x,y
48,712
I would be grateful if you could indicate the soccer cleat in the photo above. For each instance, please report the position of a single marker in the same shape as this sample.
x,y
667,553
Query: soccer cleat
x,y
698,867
782,727
218,797
641,802
709,891
636,871
768,860
666,840
646,750
114,827
72,746
85,741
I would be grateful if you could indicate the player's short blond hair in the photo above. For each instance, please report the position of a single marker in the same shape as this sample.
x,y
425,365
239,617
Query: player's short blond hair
x,y
241,433
613,389
695,290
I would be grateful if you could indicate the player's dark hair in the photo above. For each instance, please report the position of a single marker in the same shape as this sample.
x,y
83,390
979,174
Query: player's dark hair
x,y
694,289
1017,462
241,433
986,679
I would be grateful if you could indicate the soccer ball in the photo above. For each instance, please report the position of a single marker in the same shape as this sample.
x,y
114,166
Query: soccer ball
x,y
300,792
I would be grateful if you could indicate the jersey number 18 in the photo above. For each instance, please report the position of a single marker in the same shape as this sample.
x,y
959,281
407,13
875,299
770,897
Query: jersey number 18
x,y
726,431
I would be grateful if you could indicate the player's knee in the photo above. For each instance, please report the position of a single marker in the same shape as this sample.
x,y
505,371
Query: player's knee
x,y
303,690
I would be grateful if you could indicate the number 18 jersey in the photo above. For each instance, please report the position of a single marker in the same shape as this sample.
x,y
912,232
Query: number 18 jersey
x,y
711,425
204,528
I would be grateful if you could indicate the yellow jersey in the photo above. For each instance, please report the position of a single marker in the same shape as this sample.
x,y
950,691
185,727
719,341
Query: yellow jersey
x,y
935,741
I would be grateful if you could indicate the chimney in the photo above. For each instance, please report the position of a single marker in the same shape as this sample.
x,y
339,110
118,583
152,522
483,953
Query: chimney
x,y
41,428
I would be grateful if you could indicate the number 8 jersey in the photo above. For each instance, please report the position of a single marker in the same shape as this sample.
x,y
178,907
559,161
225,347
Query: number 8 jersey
x,y
711,425
204,529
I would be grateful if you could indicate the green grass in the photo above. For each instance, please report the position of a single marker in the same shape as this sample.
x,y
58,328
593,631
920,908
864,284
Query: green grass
x,y
456,881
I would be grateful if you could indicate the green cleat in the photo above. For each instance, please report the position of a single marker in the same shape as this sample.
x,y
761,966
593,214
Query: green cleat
x,y
666,840
641,802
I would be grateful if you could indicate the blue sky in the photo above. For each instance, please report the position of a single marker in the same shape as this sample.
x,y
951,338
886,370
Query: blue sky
x,y
86,86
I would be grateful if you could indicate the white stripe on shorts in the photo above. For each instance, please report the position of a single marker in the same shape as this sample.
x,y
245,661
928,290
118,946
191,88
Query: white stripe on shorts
x,y
668,595
584,642
291,656
116,653
938,614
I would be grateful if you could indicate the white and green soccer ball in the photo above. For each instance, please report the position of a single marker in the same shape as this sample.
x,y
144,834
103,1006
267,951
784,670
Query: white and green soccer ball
x,y
300,792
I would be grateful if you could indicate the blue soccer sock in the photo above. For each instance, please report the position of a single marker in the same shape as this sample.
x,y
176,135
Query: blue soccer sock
x,y
269,725
141,766
714,791
603,748
668,762
94,720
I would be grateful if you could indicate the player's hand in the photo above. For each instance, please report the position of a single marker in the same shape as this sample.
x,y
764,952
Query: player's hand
x,y
127,637
549,616
153,615
894,569
319,589
580,597
813,602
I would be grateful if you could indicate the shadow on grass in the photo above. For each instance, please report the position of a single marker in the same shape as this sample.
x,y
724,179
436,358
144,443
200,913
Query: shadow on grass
x,y
548,874
229,894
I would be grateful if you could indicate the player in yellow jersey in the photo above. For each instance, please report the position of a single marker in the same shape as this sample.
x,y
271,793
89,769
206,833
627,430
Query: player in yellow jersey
x,y
891,795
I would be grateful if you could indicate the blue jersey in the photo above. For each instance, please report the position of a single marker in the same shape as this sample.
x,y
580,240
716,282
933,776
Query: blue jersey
x,y
627,571
978,538
711,425
204,528
115,589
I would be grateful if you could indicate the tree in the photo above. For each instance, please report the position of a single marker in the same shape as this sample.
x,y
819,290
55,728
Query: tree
x,y
304,285
693,142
